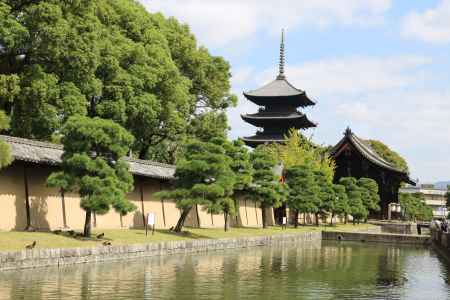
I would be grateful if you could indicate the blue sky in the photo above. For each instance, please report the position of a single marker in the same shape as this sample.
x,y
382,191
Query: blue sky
x,y
381,67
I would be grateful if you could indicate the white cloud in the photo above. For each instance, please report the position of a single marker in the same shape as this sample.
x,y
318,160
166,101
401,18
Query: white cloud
x,y
431,25
218,22
353,76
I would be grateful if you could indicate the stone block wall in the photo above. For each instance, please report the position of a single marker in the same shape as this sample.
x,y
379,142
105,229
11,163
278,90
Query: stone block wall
x,y
61,257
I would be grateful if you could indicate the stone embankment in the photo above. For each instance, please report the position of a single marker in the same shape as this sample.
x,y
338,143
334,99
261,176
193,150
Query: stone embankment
x,y
69,256
61,257
441,242
377,237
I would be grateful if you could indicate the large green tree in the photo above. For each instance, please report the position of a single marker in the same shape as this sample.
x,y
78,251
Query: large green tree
x,y
5,151
92,165
266,188
297,150
203,176
8,90
414,207
110,59
303,191
389,155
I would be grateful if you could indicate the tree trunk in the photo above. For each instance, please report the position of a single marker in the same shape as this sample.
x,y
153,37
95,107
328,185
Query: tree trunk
x,y
317,219
27,200
227,222
304,218
63,204
296,213
182,218
87,223
331,220
345,219
263,215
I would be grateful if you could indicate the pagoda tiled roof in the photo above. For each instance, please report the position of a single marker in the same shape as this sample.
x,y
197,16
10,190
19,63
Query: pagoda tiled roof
x,y
50,154
366,151
296,119
279,88
263,138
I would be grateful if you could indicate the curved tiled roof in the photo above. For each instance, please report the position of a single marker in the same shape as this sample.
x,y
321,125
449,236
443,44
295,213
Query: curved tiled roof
x,y
50,154
366,151
276,88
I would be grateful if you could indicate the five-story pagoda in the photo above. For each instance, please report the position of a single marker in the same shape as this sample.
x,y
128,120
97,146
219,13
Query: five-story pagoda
x,y
278,112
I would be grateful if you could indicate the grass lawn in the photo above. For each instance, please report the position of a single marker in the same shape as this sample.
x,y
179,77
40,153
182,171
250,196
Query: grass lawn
x,y
14,240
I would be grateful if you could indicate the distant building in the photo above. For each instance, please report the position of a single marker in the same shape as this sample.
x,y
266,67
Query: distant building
x,y
434,197
355,158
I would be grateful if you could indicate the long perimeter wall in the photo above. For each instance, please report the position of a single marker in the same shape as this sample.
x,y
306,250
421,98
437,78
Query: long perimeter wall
x,y
49,210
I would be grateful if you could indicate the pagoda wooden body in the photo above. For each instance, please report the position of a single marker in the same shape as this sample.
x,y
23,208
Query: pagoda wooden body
x,y
355,158
279,102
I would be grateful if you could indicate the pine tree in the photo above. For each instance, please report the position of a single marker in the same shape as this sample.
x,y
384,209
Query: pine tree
x,y
341,206
93,165
370,196
242,169
266,188
326,196
203,176
303,191
354,195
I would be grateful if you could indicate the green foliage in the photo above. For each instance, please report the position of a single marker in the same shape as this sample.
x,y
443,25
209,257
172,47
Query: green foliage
x,y
370,196
203,176
298,151
414,207
93,165
389,155
325,196
209,125
303,191
113,60
341,206
240,164
354,194
266,188
5,151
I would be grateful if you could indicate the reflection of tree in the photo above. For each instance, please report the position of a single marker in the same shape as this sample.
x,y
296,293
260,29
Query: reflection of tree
x,y
230,281
184,285
390,270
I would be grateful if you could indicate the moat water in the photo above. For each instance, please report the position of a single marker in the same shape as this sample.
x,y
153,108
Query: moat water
x,y
322,270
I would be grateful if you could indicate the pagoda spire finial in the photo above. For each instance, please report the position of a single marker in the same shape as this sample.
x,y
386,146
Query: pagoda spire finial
x,y
282,57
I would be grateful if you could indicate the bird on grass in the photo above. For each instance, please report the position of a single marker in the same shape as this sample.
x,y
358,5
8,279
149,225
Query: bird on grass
x,y
31,246
106,243
101,235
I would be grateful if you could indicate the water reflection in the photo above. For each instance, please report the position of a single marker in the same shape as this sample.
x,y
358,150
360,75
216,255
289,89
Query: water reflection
x,y
316,271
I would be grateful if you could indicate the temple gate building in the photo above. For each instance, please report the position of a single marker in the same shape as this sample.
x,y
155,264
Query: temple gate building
x,y
355,158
